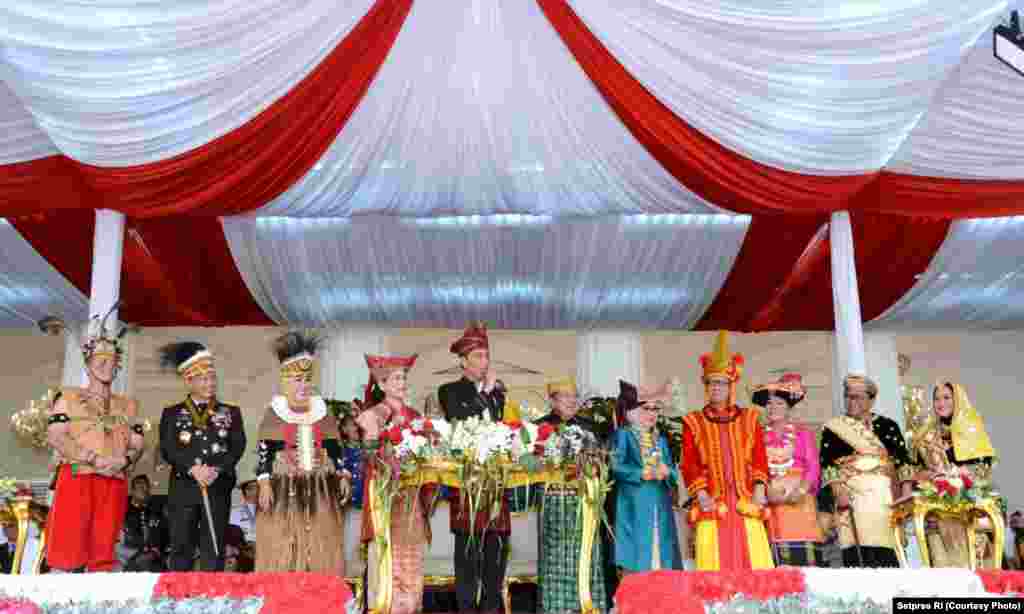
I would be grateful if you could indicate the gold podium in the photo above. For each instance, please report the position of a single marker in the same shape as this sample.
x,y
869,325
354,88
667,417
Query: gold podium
x,y
972,515
447,473
23,510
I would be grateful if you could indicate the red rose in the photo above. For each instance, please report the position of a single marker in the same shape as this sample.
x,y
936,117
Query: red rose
x,y
966,477
394,435
545,431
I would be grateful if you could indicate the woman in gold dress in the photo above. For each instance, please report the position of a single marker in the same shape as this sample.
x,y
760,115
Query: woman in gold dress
x,y
953,442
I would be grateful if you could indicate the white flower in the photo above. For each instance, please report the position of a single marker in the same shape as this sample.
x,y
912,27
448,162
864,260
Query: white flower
x,y
443,427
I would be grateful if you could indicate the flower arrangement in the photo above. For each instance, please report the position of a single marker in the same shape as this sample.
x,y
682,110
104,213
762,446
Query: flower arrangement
x,y
30,424
956,486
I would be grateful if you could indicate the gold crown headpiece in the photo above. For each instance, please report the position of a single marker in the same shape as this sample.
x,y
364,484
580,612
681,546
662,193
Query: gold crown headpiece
x,y
720,362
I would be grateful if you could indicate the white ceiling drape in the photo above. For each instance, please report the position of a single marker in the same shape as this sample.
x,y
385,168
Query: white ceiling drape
x,y
973,129
481,109
515,271
117,83
30,289
816,87
975,281
20,138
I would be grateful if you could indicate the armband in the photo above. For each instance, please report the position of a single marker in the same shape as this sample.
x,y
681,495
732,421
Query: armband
x,y
58,419
138,430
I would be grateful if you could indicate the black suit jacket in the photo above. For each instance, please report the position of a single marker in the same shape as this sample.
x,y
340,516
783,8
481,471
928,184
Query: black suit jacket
x,y
6,559
461,400
219,445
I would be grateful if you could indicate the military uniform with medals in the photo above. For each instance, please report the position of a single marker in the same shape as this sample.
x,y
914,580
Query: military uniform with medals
x,y
194,433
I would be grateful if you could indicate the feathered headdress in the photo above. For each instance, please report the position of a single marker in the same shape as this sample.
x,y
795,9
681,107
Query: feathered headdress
x,y
187,358
297,353
101,340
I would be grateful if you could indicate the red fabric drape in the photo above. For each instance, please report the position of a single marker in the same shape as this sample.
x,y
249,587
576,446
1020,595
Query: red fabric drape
x,y
179,270
766,291
773,244
42,186
238,172
718,174
175,272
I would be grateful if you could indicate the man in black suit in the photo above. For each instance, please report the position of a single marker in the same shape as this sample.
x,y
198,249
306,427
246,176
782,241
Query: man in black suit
x,y
202,440
477,393
7,549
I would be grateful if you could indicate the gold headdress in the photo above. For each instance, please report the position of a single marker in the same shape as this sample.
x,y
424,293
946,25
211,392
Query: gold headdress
x,y
566,385
189,359
720,362
297,353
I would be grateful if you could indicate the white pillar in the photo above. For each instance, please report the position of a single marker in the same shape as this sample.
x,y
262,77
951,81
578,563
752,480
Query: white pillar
x,y
105,287
74,363
343,372
605,357
848,346
884,367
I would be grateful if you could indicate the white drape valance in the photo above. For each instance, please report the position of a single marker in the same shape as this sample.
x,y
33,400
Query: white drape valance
x,y
512,271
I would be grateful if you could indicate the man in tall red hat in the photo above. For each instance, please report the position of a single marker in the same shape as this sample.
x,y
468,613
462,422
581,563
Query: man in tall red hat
x,y
478,393
725,465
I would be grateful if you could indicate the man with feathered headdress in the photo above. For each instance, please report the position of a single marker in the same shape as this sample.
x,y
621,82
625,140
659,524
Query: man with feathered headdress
x,y
202,439
725,465
97,442
478,393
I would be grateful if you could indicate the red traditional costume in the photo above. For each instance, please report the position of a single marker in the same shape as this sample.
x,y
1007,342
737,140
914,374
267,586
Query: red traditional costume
x,y
409,529
90,501
724,454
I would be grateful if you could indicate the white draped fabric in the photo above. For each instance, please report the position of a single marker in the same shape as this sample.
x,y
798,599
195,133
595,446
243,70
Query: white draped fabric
x,y
117,83
848,347
883,367
343,372
975,281
603,357
973,128
30,289
648,271
481,109
816,87
20,137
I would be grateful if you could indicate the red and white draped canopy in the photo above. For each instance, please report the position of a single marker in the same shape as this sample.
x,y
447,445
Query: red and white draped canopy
x,y
536,164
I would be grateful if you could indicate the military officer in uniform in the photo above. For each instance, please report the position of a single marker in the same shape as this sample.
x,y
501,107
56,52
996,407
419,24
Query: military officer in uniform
x,y
202,440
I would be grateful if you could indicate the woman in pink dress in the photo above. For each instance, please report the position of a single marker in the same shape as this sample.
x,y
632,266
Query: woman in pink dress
x,y
794,475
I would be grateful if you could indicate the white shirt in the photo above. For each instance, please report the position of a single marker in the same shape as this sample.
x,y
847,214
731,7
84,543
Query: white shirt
x,y
28,560
243,516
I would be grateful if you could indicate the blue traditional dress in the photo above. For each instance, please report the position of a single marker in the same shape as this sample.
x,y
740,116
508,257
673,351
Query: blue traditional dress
x,y
645,525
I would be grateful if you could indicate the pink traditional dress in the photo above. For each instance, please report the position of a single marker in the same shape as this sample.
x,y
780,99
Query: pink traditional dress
x,y
792,461
794,475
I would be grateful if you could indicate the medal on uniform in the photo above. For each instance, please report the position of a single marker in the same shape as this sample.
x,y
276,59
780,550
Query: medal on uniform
x,y
223,433
216,447
184,437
